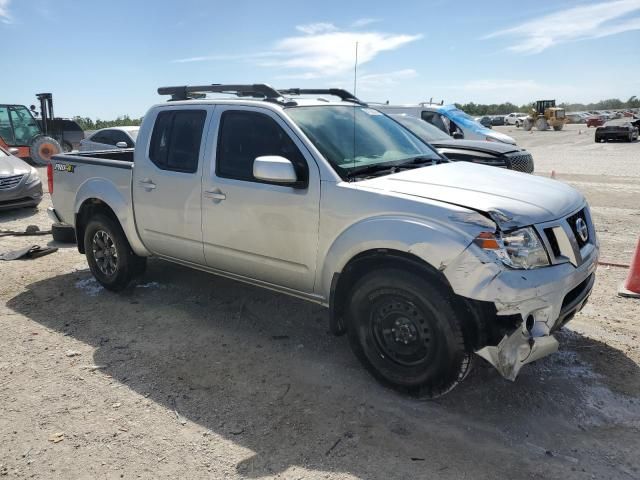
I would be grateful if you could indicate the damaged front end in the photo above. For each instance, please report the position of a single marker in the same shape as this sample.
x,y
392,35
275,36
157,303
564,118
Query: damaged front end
x,y
524,302
516,350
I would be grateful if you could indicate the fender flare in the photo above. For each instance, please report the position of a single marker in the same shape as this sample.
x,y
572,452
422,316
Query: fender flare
x,y
106,192
434,243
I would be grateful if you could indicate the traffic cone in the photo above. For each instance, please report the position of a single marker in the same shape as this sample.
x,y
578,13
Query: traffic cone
x,y
631,286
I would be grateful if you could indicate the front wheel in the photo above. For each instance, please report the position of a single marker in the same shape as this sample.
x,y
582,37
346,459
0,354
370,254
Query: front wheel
x,y
404,331
109,254
528,124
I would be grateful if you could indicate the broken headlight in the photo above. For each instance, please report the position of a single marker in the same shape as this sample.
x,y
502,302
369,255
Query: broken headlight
x,y
520,248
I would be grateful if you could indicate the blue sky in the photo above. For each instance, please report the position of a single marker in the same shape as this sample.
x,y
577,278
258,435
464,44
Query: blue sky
x,y
103,59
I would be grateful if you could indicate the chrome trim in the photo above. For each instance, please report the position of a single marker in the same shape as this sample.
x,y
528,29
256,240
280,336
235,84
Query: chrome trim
x,y
566,240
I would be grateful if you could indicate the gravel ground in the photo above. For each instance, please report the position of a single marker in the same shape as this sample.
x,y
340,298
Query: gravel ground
x,y
193,376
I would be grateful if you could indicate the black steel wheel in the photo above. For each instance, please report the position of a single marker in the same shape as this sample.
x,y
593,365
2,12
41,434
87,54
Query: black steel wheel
x,y
402,327
109,254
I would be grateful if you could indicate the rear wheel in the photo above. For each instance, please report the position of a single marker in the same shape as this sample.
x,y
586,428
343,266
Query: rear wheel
x,y
630,138
109,254
557,128
404,331
43,148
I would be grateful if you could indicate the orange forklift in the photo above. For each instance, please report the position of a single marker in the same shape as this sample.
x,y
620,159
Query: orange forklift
x,y
23,136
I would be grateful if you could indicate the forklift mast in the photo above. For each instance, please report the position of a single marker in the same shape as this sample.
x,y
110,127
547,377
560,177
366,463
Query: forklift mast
x,y
46,111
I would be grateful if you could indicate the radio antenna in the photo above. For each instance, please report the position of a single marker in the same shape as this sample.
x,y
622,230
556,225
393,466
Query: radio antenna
x,y
355,72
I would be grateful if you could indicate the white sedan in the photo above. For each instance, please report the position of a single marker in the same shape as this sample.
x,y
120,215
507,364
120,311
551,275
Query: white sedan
x,y
110,139
516,118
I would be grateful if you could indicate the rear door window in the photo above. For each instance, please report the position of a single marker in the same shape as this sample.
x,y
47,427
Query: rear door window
x,y
176,138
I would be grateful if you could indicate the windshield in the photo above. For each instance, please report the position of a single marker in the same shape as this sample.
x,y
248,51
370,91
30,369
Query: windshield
x,y
352,137
422,129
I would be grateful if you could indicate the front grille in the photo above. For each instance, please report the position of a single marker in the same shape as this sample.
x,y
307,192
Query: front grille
x,y
553,241
574,221
521,162
10,182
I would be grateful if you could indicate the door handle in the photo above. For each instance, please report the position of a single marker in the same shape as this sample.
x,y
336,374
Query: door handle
x,y
215,195
147,184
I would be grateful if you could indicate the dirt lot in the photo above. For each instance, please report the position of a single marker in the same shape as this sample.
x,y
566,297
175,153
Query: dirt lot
x,y
191,376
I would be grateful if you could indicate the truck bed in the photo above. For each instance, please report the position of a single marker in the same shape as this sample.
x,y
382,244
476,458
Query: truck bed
x,y
98,157
105,175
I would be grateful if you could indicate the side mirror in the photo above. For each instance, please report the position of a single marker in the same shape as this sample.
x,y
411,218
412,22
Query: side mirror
x,y
274,169
457,136
14,151
122,145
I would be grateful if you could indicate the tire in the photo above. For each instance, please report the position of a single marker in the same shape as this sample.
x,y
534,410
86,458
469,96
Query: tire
x,y
557,128
109,254
517,124
43,148
630,138
66,147
541,124
527,125
405,332
597,139
63,233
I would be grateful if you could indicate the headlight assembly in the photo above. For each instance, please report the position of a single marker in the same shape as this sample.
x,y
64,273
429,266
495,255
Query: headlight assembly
x,y
520,248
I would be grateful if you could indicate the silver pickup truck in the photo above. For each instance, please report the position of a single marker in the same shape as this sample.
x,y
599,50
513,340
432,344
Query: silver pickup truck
x,y
424,263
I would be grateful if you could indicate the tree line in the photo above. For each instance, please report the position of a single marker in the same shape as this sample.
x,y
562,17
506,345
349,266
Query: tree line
x,y
479,109
475,109
87,123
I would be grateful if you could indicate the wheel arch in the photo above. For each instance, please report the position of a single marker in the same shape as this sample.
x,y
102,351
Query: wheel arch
x,y
100,195
473,314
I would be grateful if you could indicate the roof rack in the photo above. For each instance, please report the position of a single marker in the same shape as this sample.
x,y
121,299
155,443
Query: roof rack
x,y
188,92
344,95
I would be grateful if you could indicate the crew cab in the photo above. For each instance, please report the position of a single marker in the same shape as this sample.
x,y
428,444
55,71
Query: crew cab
x,y
424,263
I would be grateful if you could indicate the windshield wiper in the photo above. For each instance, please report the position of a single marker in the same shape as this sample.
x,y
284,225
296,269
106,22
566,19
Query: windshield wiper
x,y
412,162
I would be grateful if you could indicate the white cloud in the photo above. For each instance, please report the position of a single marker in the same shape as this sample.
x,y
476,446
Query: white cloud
x,y
323,51
5,16
334,52
363,22
315,28
376,81
596,20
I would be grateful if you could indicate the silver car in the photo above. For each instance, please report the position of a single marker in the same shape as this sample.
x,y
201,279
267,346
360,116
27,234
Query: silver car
x,y
20,184
110,139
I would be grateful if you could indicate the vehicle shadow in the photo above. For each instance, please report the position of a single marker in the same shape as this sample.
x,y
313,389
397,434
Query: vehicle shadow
x,y
262,370
17,214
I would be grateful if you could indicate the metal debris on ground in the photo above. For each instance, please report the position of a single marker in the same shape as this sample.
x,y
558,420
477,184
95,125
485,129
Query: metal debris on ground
x,y
32,251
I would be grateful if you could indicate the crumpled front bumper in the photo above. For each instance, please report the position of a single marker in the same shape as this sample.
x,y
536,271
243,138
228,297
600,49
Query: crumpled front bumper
x,y
545,299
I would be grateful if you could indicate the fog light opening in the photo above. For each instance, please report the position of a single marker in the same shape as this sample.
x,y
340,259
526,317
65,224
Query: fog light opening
x,y
530,322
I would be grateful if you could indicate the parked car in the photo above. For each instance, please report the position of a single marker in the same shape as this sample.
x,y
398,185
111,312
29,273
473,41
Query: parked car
x,y
20,184
67,131
420,261
110,139
485,121
515,118
497,120
575,117
495,154
620,129
595,121
450,120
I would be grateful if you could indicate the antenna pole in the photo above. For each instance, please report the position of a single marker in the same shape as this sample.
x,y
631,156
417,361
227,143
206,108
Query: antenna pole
x,y
355,72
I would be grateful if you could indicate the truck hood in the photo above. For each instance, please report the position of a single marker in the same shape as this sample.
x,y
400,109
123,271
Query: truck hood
x,y
511,199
